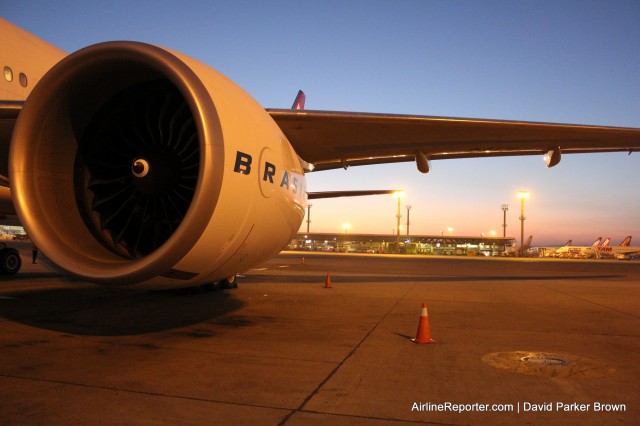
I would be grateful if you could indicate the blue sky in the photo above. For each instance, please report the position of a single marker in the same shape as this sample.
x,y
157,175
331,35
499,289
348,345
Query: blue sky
x,y
555,61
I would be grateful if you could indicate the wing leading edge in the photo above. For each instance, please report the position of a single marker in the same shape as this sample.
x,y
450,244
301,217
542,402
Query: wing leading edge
x,y
332,140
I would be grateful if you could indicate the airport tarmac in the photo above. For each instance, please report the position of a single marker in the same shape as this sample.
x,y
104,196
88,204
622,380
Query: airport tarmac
x,y
518,341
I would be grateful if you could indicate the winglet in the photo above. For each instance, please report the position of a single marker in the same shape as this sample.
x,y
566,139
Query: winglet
x,y
298,103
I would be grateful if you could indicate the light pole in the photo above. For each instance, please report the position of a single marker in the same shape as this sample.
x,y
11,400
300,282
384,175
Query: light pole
x,y
522,195
346,227
408,223
504,208
309,216
399,194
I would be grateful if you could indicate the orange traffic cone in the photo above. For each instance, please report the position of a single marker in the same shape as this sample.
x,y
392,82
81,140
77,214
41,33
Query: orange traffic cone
x,y
424,334
327,282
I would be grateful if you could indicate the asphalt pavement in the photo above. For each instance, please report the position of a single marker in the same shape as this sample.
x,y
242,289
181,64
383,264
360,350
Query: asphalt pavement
x,y
517,341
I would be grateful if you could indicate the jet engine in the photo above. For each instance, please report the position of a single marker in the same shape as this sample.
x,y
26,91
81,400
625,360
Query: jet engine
x,y
131,163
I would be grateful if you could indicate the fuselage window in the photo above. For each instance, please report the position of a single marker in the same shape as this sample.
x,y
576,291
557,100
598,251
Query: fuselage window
x,y
8,74
23,79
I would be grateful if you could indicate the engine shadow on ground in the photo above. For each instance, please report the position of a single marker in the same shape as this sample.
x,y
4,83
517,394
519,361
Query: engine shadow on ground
x,y
106,311
38,276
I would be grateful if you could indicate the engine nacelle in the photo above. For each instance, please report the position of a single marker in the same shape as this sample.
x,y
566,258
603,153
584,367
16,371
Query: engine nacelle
x,y
131,163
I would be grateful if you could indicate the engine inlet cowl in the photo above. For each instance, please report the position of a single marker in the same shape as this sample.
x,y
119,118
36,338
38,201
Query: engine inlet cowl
x,y
107,156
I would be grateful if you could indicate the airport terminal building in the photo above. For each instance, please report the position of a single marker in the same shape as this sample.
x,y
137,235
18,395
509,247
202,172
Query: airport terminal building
x,y
414,244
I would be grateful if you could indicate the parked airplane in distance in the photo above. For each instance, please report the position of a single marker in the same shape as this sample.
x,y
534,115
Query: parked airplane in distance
x,y
129,163
622,252
551,251
515,251
577,251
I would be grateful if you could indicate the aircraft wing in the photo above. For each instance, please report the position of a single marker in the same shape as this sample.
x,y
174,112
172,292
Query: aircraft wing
x,y
332,140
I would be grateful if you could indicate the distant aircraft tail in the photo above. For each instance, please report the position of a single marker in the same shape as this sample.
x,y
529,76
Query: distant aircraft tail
x,y
597,242
568,243
626,242
527,244
606,242
298,103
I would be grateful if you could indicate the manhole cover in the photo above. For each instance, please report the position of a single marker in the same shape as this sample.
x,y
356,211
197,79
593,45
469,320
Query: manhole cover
x,y
547,364
544,360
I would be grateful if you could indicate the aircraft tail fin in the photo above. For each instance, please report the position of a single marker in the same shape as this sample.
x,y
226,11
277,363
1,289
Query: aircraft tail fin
x,y
298,103
626,242
597,242
527,244
606,242
568,243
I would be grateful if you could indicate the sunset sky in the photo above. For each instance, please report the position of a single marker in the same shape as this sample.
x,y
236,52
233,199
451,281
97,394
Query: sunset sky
x,y
552,61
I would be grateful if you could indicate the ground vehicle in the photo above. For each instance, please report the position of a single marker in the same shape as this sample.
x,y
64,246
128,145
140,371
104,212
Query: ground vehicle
x,y
10,261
